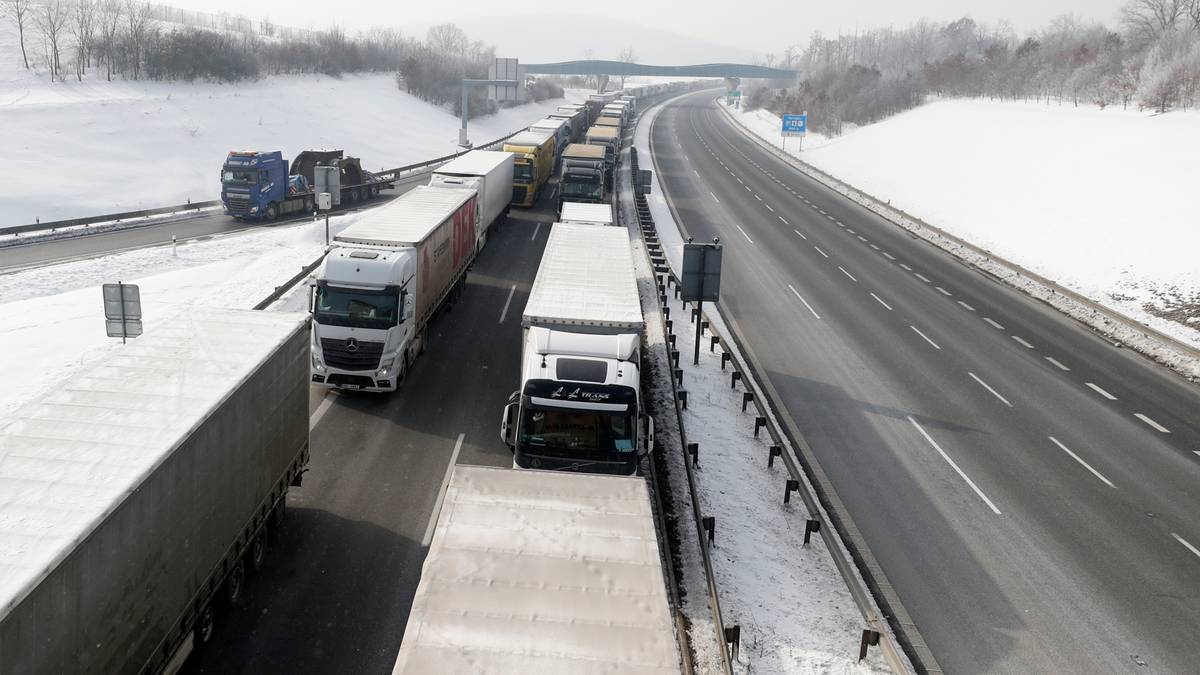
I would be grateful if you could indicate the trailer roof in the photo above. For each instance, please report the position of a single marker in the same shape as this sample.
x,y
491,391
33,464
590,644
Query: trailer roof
x,y
475,163
600,131
580,212
586,278
583,151
548,123
408,220
69,458
541,572
530,137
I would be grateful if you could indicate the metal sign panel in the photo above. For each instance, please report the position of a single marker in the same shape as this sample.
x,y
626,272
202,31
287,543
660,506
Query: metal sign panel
x,y
328,179
123,329
701,273
507,69
642,185
114,294
795,125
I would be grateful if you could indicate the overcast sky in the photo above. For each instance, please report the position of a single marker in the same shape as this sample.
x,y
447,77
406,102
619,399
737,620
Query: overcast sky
x,y
760,25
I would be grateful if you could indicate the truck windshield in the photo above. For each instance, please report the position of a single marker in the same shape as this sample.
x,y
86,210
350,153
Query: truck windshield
x,y
357,308
578,432
581,186
523,171
239,176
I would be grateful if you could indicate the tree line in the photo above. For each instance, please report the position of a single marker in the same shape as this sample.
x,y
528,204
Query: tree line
x,y
1151,60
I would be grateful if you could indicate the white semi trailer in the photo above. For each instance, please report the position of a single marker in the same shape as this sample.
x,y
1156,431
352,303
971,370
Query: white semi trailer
x,y
490,175
383,282
580,407
541,572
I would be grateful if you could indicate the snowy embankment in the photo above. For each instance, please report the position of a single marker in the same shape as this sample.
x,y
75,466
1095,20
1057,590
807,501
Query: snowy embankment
x,y
1103,202
796,613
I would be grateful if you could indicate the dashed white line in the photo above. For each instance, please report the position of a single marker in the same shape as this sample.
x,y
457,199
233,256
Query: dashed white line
x,y
1087,466
955,466
769,208
1021,341
986,386
821,252
821,211
993,324
801,235
714,197
843,269
1100,391
739,227
850,230
1183,541
918,331
758,198
862,239
504,312
966,306
889,256
740,180
801,298
922,277
747,188
943,291
906,267
323,408
880,301
783,220
696,172
1152,423
1058,365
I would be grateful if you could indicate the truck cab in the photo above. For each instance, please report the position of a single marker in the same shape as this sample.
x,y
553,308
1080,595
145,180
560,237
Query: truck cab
x,y
608,138
584,174
253,184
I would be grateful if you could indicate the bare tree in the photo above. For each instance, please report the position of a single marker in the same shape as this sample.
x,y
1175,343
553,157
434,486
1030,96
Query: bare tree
x,y
626,55
137,20
109,25
83,21
16,11
51,20
1149,19
448,38
1193,13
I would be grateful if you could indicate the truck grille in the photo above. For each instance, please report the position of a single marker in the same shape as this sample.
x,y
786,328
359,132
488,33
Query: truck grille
x,y
518,194
238,204
365,356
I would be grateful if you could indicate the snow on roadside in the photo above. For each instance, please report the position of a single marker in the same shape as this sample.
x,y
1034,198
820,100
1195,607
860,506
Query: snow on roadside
x,y
796,613
1101,202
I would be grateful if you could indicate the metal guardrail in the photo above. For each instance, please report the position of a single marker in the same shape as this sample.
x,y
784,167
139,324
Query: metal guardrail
x,y
395,175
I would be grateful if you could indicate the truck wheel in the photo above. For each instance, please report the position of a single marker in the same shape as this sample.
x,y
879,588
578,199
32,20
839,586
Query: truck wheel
x,y
235,585
258,551
206,624
374,190
272,211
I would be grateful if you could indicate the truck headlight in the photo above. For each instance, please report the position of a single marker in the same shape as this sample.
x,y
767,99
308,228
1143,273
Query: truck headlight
x,y
316,363
253,209
385,368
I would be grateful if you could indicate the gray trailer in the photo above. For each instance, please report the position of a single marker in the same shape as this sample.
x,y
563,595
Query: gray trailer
x,y
134,496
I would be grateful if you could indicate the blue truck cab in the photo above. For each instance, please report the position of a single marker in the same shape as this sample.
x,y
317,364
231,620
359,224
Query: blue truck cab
x,y
254,185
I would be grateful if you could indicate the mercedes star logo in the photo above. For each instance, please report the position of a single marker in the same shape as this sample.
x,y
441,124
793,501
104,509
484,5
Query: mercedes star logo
x,y
351,344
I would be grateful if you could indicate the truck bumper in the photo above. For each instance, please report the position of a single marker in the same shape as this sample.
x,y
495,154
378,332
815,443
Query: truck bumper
x,y
353,381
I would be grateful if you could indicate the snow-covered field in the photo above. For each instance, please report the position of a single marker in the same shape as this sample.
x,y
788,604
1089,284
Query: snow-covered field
x,y
76,149
1104,202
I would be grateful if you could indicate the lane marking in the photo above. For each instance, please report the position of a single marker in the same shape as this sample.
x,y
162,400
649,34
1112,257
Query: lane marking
x,y
965,305
862,239
714,197
922,277
994,392
437,505
1087,466
821,252
1058,365
797,294
874,247
739,180
843,269
880,300
993,324
955,466
821,211
769,208
944,291
696,172
748,188
322,408
1152,423
785,222
918,330
1100,391
758,198
1021,341
504,312
797,232
889,256
850,230
536,227
906,267
739,227
1183,541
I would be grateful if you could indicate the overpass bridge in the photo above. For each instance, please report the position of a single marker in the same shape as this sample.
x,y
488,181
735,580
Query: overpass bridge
x,y
731,71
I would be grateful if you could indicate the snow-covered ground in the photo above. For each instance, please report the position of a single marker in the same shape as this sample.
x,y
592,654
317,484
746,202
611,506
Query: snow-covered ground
x,y
76,149
1103,202
796,613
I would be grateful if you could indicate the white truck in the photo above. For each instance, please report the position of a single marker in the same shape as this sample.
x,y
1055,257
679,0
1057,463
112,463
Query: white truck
x,y
382,283
488,173
580,407
541,572
136,496
586,214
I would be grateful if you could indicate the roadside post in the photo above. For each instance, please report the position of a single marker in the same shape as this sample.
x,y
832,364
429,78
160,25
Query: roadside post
x,y
701,280
794,125
122,310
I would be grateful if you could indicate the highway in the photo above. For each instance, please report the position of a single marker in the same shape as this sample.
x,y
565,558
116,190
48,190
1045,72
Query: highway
x,y
340,576
1030,490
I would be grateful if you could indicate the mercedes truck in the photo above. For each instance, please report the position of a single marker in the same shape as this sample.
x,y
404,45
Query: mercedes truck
x,y
583,175
580,404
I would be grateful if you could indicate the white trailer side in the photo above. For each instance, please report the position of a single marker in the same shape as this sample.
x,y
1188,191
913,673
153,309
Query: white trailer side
x,y
489,173
586,214
541,572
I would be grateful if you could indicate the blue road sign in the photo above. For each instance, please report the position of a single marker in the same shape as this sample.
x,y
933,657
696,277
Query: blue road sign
x,y
795,125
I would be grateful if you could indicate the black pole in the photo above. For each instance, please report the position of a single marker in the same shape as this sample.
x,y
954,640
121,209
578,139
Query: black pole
x,y
326,228
699,313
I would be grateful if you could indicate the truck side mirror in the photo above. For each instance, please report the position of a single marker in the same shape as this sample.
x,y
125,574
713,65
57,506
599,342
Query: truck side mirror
x,y
508,425
406,298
